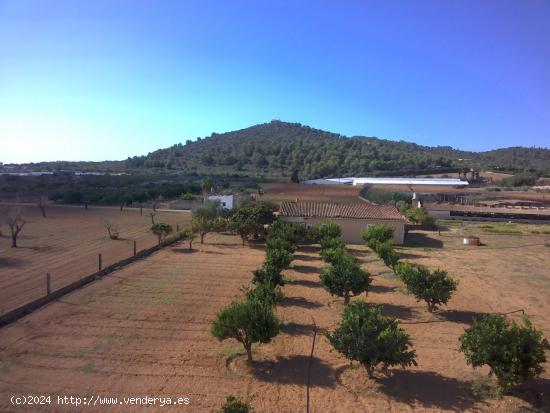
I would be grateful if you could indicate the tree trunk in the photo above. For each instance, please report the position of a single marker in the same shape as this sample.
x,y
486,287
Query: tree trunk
x,y
160,238
243,238
202,237
248,349
190,245
43,210
13,240
346,298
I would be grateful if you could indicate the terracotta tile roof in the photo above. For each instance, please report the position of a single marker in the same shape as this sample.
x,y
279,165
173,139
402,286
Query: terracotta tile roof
x,y
363,210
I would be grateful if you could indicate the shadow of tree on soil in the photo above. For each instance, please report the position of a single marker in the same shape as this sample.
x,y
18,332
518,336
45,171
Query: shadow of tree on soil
x,y
306,283
379,289
184,250
415,239
7,262
309,248
293,370
397,311
297,329
460,316
535,392
430,389
409,256
305,269
299,302
303,257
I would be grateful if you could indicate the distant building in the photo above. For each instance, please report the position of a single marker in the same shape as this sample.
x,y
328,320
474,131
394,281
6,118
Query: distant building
x,y
352,218
226,201
388,181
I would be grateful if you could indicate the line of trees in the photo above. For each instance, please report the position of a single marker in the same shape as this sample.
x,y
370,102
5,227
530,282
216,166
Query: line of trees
x,y
252,320
364,333
514,352
344,277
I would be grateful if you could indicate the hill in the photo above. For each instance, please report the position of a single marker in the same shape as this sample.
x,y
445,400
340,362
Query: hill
x,y
278,148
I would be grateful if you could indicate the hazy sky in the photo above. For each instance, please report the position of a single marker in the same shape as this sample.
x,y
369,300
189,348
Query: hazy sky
x,y
93,80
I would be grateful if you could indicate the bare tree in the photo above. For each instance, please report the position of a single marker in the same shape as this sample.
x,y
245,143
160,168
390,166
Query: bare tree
x,y
42,202
112,229
12,215
152,215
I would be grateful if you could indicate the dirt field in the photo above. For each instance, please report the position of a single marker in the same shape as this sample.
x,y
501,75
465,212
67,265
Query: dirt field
x,y
144,330
349,193
320,193
66,244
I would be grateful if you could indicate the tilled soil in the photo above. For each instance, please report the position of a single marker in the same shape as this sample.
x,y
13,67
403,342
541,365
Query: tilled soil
x,y
66,244
144,330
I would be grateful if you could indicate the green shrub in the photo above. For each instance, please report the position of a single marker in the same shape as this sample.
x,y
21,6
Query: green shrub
x,y
514,353
369,337
235,404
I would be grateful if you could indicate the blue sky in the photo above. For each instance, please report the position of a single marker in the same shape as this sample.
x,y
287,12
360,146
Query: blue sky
x,y
94,80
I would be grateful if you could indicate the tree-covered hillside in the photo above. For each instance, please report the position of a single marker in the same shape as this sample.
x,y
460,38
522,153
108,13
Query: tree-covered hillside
x,y
279,148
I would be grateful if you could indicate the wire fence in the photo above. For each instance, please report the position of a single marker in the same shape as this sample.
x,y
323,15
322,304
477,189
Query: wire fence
x,y
38,291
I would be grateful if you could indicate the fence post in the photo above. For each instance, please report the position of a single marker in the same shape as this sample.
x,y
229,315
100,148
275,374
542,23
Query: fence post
x,y
99,261
48,283
135,248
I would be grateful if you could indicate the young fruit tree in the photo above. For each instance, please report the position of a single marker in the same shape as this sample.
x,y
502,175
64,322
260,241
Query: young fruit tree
x,y
278,243
329,243
12,215
387,254
42,202
189,233
332,255
433,287
266,293
278,258
112,230
345,278
369,337
375,234
268,274
205,217
291,231
328,229
161,230
514,352
248,322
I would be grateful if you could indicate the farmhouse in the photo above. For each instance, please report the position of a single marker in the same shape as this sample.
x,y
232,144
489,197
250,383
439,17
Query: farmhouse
x,y
352,218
